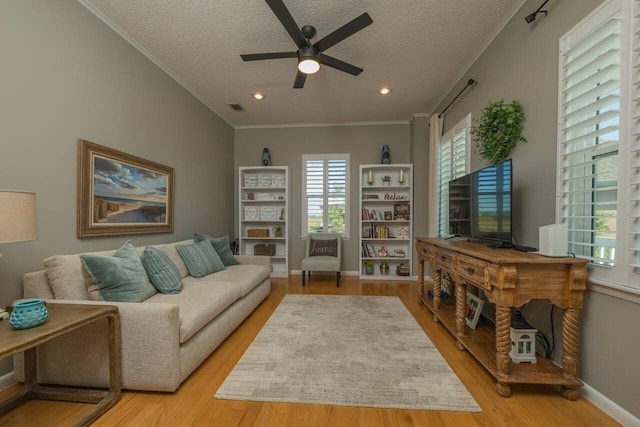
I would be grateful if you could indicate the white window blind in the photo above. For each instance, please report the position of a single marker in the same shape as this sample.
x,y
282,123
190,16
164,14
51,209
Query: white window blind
x,y
452,162
325,193
598,140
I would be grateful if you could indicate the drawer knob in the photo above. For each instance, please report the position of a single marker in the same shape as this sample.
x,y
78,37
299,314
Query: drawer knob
x,y
443,258
470,270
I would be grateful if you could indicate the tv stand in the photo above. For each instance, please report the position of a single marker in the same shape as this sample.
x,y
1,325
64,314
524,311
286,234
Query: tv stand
x,y
509,279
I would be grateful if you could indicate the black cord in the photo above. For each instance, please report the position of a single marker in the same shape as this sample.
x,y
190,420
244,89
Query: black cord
x,y
471,82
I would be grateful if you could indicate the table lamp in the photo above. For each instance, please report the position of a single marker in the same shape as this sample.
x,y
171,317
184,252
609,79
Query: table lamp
x,y
18,219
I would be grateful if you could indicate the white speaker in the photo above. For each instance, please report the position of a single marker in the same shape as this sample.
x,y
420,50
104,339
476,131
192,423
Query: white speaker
x,y
553,240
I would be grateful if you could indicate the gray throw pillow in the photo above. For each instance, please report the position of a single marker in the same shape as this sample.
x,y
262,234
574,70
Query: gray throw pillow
x,y
120,277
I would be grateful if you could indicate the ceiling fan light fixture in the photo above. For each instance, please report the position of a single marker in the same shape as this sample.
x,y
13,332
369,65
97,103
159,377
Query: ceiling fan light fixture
x,y
308,60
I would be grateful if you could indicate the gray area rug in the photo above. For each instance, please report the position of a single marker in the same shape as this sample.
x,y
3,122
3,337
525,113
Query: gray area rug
x,y
348,351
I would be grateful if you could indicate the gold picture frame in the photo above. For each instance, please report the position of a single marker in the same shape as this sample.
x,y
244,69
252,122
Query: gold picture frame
x,y
119,193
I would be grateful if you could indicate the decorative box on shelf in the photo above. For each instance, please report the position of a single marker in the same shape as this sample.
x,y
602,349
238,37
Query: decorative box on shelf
x,y
257,232
268,249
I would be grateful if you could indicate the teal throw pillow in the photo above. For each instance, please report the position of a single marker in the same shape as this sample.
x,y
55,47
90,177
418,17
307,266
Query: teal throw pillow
x,y
120,277
221,246
201,259
162,272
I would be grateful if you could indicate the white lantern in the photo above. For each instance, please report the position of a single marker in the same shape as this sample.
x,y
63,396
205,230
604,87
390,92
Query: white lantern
x,y
523,340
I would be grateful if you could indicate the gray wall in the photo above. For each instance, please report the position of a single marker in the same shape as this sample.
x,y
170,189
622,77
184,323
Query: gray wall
x,y
66,75
522,63
288,144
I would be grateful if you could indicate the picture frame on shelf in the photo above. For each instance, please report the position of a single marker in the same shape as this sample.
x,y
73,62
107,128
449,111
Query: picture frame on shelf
x,y
251,196
473,309
388,215
402,211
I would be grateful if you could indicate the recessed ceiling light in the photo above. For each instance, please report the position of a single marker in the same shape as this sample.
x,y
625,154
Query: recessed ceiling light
x,y
258,96
385,90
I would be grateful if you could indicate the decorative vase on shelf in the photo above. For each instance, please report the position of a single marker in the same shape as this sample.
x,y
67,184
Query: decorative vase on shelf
x,y
386,155
384,268
266,157
386,181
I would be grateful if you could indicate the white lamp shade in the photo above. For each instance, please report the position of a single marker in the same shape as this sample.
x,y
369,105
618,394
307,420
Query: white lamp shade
x,y
18,218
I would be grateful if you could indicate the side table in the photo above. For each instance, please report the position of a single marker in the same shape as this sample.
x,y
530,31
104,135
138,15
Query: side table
x,y
64,318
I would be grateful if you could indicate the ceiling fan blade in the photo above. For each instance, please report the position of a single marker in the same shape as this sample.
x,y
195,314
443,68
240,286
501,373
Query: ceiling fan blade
x,y
300,79
273,55
343,32
332,62
287,21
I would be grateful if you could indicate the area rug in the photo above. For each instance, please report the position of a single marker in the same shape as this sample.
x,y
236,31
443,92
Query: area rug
x,y
349,351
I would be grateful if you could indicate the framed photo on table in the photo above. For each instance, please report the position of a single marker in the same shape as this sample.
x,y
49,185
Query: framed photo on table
x,y
473,309
119,193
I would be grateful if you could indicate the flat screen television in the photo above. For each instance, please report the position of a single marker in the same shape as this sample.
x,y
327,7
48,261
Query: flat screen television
x,y
480,204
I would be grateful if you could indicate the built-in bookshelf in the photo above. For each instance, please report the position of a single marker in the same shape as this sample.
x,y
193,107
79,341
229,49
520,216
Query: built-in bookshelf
x,y
264,214
386,221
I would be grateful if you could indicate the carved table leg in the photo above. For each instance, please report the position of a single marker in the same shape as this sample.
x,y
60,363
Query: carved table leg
x,y
461,302
570,321
503,339
504,390
421,276
437,283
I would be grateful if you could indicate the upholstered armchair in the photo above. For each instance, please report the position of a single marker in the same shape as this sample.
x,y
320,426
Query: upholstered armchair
x,y
323,253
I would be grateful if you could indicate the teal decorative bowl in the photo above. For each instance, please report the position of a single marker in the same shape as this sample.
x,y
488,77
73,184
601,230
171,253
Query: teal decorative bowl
x,y
28,313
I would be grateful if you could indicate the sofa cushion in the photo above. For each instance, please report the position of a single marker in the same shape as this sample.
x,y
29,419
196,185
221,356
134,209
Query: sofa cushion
x,y
201,259
200,301
67,276
221,246
246,276
120,277
162,272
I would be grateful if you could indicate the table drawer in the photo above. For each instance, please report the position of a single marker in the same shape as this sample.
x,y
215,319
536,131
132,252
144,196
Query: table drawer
x,y
473,271
444,259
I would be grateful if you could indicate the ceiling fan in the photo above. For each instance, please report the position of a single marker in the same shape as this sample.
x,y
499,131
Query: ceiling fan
x,y
309,55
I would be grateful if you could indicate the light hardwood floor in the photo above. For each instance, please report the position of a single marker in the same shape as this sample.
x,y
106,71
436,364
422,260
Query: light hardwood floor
x,y
193,404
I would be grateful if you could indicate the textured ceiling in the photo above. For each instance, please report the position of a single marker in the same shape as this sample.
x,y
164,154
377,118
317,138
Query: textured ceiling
x,y
419,48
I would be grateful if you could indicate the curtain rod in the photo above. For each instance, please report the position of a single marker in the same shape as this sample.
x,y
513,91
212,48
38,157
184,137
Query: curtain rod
x,y
471,82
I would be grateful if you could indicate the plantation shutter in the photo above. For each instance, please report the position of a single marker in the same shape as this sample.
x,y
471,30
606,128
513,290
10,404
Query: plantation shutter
x,y
589,133
634,148
325,193
452,163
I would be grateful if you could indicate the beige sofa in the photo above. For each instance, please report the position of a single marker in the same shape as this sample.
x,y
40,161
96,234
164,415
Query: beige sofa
x,y
164,338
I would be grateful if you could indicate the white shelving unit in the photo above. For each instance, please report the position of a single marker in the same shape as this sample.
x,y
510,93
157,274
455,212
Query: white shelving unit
x,y
386,220
263,208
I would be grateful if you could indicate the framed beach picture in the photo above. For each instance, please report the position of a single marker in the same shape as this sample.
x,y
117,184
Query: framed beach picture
x,y
473,310
119,193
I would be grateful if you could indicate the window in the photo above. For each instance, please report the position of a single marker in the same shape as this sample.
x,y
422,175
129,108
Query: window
x,y
598,155
325,194
451,161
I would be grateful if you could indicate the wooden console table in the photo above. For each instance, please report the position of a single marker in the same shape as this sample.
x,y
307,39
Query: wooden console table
x,y
62,319
509,279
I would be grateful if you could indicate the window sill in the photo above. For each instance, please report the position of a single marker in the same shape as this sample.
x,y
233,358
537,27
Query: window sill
x,y
616,291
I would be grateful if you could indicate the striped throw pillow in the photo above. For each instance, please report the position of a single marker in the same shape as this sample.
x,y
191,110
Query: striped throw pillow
x,y
201,259
162,272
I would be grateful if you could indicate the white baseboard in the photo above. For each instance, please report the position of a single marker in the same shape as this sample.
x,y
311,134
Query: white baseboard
x,y
609,407
7,380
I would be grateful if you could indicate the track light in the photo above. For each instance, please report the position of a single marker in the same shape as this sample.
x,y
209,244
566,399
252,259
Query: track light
x,y
532,17
308,60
